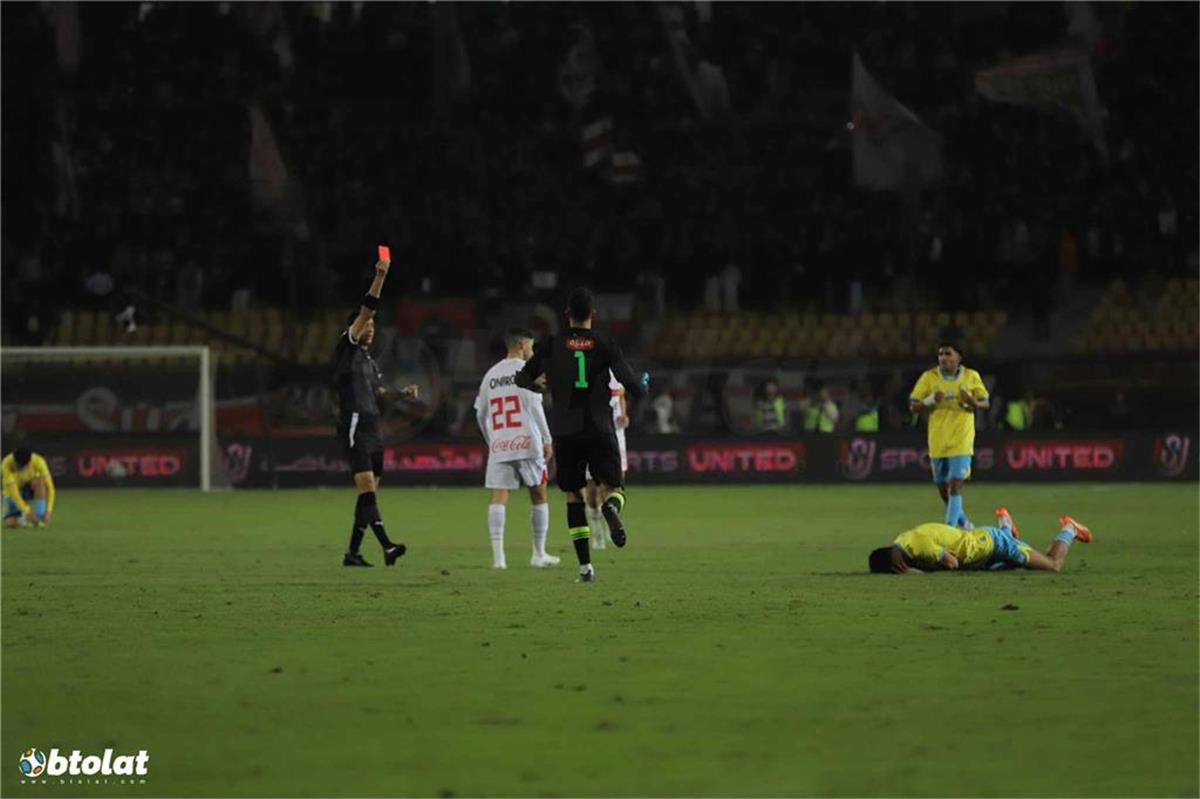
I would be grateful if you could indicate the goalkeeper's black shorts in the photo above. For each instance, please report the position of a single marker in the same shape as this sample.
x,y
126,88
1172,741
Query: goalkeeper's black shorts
x,y
597,452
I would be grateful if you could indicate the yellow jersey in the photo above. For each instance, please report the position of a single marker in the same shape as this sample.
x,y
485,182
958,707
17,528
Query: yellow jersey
x,y
951,426
926,543
15,479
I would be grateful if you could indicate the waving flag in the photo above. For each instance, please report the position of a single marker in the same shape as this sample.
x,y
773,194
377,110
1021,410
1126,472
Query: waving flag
x,y
892,147
1058,81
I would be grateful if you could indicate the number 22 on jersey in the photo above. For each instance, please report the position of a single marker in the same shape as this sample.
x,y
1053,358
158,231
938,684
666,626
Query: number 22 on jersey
x,y
506,412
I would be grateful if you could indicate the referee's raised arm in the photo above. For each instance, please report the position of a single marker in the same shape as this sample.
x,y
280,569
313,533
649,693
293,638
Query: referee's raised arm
x,y
370,300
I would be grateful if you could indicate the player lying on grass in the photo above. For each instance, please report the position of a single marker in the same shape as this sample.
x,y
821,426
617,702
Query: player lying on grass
x,y
935,546
28,489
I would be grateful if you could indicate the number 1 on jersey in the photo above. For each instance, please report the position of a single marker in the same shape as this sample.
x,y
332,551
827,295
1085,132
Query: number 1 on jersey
x,y
582,382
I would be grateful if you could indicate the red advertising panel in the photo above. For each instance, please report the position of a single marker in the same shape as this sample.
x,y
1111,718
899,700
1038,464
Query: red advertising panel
x,y
114,460
105,461
746,458
1079,455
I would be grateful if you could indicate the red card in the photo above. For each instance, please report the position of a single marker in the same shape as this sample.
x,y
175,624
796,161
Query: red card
x,y
385,253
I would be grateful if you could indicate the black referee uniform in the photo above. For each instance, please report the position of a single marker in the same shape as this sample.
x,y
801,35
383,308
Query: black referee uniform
x,y
357,382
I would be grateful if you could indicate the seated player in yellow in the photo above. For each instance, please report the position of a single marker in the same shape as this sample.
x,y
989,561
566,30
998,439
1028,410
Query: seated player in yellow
x,y
950,393
28,489
934,546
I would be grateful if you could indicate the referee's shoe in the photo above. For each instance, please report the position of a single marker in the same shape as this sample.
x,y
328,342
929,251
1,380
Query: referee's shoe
x,y
394,553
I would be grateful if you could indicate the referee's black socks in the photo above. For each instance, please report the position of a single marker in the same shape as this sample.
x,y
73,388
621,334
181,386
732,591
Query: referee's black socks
x,y
366,514
577,526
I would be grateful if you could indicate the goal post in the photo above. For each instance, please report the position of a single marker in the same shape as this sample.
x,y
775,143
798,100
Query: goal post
x,y
75,396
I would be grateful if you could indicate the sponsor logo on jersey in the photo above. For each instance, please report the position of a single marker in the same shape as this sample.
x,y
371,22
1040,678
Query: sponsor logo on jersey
x,y
581,343
514,444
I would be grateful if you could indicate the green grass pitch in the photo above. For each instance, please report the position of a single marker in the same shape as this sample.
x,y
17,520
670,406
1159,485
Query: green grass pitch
x,y
735,648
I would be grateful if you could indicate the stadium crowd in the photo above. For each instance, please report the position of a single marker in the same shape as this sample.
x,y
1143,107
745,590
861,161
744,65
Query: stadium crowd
x,y
455,131
231,156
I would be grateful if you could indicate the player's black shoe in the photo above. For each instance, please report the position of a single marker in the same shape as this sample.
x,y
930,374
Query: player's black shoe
x,y
393,554
616,528
354,559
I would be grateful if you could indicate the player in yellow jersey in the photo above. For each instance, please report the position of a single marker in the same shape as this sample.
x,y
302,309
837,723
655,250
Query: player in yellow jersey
x,y
950,393
934,546
28,489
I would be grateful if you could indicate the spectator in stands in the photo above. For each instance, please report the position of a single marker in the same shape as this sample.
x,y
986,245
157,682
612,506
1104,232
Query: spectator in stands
x,y
1020,412
770,408
808,408
867,420
827,411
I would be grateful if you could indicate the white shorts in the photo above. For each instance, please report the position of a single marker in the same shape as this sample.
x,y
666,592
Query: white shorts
x,y
587,473
511,475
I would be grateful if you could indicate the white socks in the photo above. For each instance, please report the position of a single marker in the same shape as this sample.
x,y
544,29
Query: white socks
x,y
496,533
539,519
599,527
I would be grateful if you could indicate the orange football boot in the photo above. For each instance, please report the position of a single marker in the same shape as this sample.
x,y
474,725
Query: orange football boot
x,y
1006,520
1081,532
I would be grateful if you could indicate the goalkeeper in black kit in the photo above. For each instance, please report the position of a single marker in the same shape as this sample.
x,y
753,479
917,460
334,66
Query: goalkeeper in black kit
x,y
576,367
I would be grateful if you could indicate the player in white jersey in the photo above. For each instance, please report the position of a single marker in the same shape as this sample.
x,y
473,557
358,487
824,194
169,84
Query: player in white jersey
x,y
514,426
590,495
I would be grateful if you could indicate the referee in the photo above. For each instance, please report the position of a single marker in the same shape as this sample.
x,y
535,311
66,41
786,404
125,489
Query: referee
x,y
576,366
358,386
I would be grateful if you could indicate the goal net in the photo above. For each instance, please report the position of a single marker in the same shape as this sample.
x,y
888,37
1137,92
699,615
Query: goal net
x,y
104,416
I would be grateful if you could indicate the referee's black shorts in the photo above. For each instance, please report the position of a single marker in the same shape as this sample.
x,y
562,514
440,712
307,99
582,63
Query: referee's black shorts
x,y
575,455
361,435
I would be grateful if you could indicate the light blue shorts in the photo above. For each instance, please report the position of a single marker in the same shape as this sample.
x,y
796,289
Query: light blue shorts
x,y
1009,551
947,469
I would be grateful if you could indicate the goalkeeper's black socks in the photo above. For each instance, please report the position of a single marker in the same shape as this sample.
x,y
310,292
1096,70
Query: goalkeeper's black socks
x,y
577,526
612,514
583,551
